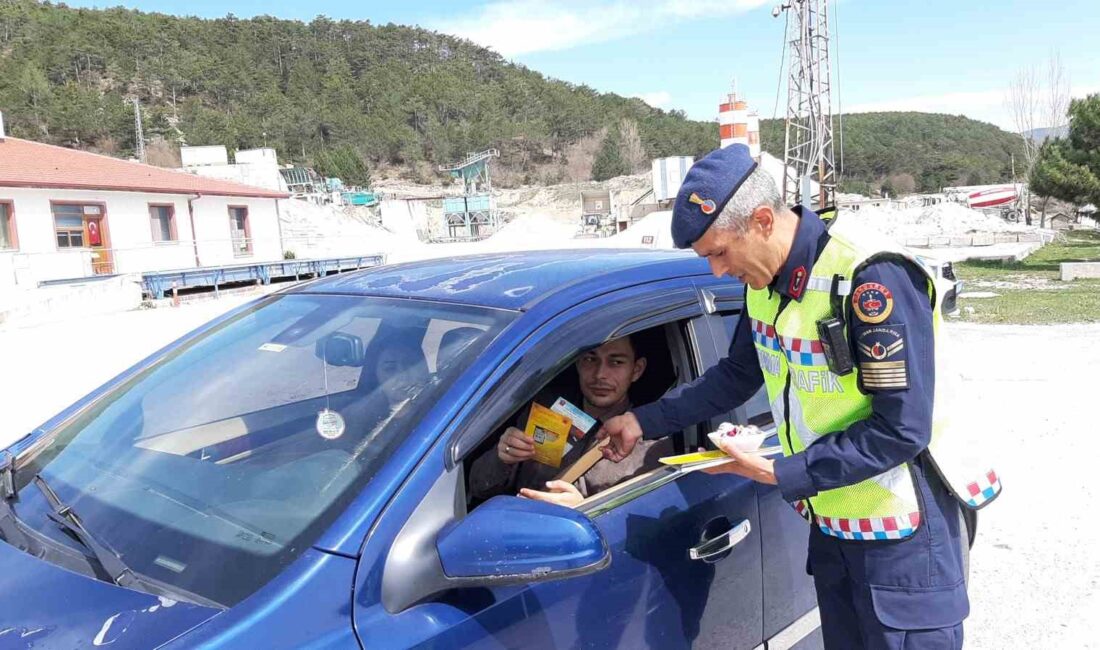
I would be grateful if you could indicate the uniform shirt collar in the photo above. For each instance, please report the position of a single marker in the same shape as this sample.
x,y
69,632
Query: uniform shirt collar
x,y
795,273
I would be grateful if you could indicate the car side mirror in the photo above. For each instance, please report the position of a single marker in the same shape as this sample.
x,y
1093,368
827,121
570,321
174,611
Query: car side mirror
x,y
340,349
509,540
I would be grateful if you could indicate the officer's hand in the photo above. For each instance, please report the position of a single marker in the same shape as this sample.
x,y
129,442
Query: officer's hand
x,y
624,431
514,447
559,492
750,466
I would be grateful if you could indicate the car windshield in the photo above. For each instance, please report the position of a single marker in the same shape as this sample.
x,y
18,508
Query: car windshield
x,y
216,466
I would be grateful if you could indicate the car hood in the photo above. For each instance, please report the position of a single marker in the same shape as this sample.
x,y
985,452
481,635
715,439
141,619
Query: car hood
x,y
46,606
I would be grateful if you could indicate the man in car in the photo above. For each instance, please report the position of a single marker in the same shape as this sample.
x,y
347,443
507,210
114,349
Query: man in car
x,y
842,330
605,375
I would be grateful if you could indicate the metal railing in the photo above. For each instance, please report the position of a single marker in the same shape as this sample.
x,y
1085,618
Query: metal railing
x,y
35,267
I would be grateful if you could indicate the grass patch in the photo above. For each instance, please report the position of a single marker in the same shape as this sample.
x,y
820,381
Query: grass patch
x,y
1057,302
1078,246
1077,302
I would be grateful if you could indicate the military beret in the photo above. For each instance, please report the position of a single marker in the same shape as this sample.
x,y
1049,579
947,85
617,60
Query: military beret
x,y
708,186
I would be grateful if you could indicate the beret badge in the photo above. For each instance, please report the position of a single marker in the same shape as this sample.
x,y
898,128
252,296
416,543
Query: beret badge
x,y
707,206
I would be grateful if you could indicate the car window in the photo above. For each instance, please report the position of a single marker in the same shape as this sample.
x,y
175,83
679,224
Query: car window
x,y
488,476
445,340
213,468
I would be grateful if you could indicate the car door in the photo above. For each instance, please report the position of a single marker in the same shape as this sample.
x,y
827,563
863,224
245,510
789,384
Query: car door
x,y
655,593
790,602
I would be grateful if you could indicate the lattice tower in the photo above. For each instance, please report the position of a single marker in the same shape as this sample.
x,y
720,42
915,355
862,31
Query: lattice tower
x,y
808,151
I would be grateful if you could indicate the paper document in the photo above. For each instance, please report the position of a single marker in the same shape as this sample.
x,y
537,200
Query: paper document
x,y
584,463
703,459
550,432
582,422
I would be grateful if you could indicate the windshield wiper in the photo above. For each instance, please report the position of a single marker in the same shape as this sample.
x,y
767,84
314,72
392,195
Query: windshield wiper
x,y
9,521
63,515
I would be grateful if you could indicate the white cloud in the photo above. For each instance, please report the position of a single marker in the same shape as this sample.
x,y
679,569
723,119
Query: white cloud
x,y
514,27
658,99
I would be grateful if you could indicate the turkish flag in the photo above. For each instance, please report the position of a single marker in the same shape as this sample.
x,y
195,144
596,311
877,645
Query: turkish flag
x,y
93,234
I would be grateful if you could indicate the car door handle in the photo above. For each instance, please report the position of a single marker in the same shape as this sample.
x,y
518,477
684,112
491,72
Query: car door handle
x,y
722,543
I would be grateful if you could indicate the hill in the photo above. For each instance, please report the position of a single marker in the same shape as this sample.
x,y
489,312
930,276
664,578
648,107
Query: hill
x,y
397,97
923,151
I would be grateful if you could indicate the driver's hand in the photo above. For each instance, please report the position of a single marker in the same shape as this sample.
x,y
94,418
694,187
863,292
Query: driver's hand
x,y
624,431
514,447
559,492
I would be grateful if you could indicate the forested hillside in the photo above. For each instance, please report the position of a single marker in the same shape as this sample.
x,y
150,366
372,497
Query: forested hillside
x,y
904,152
340,93
396,94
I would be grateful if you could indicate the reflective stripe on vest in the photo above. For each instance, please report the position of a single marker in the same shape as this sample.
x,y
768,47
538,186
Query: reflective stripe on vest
x,y
808,401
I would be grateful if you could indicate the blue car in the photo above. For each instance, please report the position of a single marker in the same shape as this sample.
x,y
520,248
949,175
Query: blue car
x,y
295,474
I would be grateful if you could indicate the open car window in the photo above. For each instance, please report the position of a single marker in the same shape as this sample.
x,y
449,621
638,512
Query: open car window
x,y
665,368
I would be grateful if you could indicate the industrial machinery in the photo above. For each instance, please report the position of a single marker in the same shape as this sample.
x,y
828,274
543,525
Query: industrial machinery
x,y
473,215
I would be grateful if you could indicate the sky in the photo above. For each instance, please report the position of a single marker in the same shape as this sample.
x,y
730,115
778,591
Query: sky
x,y
944,56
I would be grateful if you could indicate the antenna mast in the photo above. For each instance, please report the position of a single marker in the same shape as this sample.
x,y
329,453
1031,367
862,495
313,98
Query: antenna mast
x,y
808,151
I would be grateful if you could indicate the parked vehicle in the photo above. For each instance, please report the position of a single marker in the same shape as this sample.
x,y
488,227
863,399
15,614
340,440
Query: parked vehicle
x,y
294,473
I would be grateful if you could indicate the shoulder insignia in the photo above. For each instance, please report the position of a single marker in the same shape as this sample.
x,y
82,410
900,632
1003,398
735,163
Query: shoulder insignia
x,y
872,302
882,358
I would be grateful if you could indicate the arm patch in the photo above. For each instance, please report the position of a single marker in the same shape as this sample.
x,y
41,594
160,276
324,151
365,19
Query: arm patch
x,y
882,357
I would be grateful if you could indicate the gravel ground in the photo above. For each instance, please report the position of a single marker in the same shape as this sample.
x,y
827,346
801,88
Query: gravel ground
x,y
1033,579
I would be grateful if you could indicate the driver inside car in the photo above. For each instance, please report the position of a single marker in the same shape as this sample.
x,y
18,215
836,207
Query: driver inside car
x,y
401,370
605,376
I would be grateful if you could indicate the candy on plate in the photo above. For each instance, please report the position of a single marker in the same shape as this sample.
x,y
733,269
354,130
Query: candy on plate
x,y
746,438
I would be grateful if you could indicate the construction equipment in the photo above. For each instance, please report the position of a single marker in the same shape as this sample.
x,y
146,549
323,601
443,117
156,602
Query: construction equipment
x,y
472,215
808,151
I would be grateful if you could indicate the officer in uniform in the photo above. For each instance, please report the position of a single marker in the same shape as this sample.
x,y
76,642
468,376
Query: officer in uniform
x,y
843,331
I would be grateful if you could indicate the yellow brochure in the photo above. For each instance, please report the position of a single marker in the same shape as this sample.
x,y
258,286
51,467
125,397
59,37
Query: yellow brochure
x,y
550,431
695,457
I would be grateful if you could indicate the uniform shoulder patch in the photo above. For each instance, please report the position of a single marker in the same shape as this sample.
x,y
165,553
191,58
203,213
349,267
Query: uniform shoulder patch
x,y
872,302
882,358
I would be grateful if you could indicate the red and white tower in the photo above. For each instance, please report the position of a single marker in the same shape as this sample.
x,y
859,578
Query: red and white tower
x,y
737,124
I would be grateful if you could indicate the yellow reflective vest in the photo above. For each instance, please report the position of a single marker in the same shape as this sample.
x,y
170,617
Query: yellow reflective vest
x,y
809,401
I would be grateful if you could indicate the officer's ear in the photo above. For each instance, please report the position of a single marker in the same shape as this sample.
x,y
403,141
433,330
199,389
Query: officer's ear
x,y
763,217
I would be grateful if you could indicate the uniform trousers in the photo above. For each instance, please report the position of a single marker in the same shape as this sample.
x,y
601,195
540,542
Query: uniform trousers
x,y
896,594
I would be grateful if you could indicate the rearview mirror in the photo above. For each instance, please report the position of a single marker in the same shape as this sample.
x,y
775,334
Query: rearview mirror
x,y
509,540
339,349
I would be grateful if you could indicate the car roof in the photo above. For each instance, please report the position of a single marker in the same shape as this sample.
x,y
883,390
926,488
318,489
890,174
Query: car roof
x,y
515,280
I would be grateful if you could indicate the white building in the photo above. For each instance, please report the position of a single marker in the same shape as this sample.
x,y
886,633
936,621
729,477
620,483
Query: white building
x,y
67,214
256,167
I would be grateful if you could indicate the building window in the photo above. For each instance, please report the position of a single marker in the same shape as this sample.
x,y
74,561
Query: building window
x,y
239,231
8,240
68,223
162,219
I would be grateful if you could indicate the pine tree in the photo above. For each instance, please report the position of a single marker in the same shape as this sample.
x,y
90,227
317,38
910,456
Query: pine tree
x,y
345,163
1069,168
609,161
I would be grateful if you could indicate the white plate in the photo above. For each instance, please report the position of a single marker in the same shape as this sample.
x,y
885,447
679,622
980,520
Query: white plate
x,y
746,442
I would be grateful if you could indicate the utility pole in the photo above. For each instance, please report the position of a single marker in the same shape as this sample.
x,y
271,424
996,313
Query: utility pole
x,y
139,132
808,152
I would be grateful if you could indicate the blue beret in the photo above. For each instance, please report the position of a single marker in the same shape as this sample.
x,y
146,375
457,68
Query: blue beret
x,y
707,188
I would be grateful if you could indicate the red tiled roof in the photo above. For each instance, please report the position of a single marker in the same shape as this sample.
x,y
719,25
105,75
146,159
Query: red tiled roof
x,y
24,163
